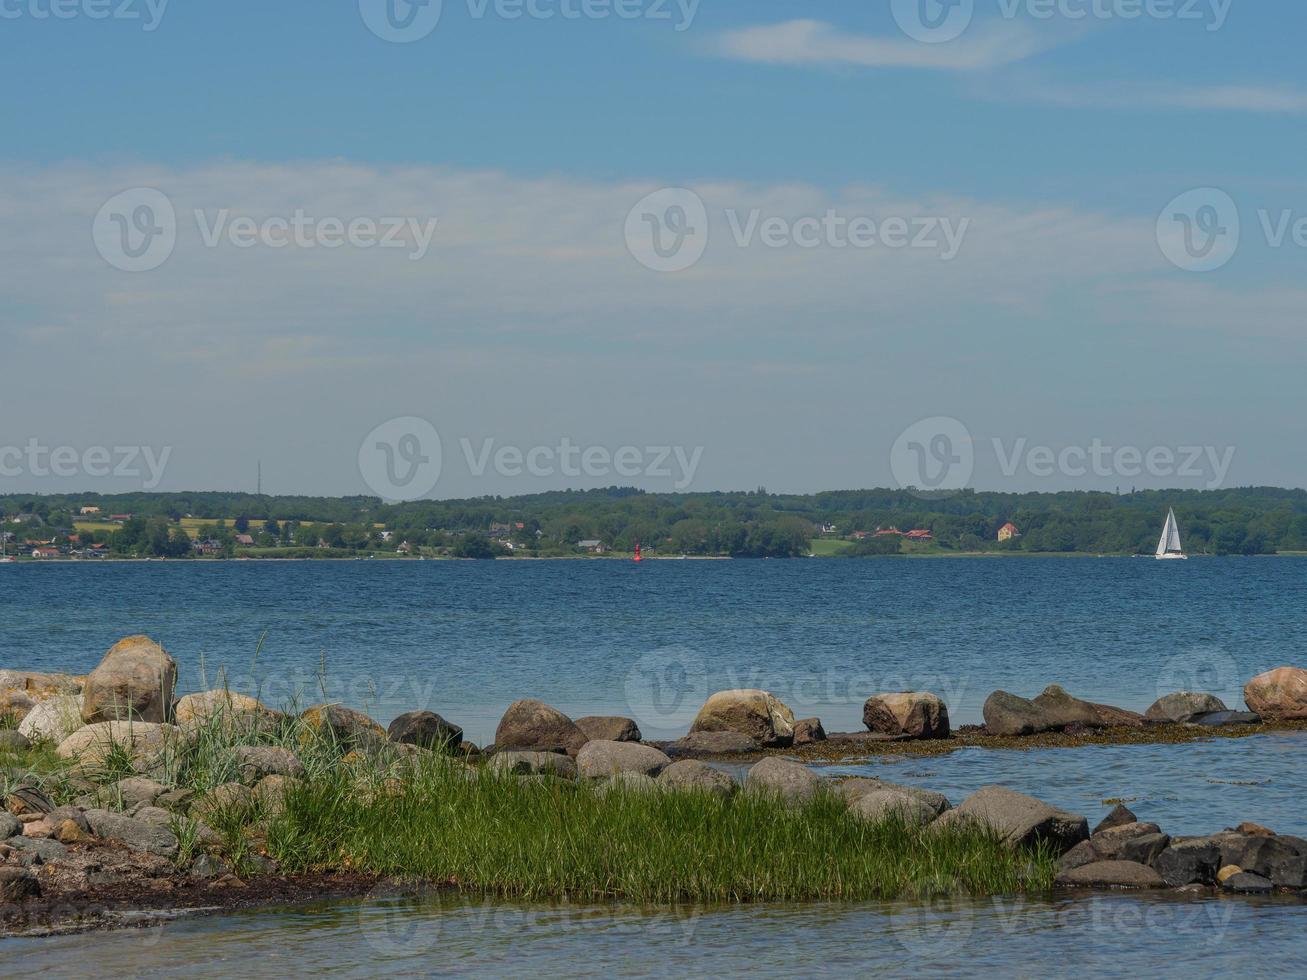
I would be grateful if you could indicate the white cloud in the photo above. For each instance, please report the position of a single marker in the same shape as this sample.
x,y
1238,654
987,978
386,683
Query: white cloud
x,y
1148,95
816,43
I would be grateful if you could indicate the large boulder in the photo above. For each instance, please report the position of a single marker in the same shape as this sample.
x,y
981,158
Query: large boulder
x,y
15,704
137,790
914,713
609,728
1010,714
754,713
1111,874
344,725
888,804
136,834
1109,844
53,719
1182,706
792,782
258,761
808,731
691,775
1060,709
145,742
1189,862
599,759
1022,820
534,726
1278,695
12,741
854,789
134,680
427,729
220,706
1281,859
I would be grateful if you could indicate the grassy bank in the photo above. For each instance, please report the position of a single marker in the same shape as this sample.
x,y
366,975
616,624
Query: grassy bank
x,y
524,838
369,807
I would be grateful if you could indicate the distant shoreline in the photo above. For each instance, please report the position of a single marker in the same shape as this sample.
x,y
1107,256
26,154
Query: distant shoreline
x,y
936,556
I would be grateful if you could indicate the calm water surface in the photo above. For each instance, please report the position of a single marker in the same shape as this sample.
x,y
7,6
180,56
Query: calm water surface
x,y
467,638
1100,936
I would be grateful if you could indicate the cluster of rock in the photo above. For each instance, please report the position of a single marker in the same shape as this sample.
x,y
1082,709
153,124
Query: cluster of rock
x,y
1124,852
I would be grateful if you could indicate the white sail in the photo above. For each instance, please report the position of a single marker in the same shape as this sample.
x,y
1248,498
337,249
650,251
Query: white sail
x,y
1169,545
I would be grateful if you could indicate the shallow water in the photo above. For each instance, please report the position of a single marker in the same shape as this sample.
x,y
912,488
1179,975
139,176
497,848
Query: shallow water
x,y
1090,936
652,640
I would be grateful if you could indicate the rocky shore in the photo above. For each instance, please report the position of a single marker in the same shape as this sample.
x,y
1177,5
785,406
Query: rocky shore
x,y
119,796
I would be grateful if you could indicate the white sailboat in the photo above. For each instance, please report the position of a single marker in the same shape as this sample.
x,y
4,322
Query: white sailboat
x,y
1169,545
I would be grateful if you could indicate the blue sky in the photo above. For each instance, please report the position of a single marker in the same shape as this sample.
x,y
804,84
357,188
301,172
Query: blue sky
x,y
1058,140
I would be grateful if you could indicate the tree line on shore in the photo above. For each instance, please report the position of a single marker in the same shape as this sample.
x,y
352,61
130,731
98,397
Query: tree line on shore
x,y
1247,521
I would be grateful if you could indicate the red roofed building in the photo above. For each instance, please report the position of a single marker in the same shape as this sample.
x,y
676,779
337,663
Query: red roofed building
x,y
919,535
1008,531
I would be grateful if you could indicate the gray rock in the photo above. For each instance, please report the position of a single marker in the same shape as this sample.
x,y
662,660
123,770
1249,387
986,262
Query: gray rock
x,y
58,815
808,730
176,799
53,719
1145,848
714,743
138,835
1247,883
1119,816
859,786
42,849
887,804
18,885
1108,843
136,790
533,764
1187,862
1009,714
224,798
1080,855
208,866
600,759
533,726
11,741
691,775
1060,709
10,826
606,728
257,761
1276,858
792,782
1111,874
1022,820
424,728
1182,706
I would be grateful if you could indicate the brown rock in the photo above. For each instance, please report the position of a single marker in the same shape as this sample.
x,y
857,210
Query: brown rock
x,y
533,726
220,706
17,885
69,833
914,713
347,726
608,728
808,730
1254,829
1120,815
134,680
1278,695
1111,874
750,712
